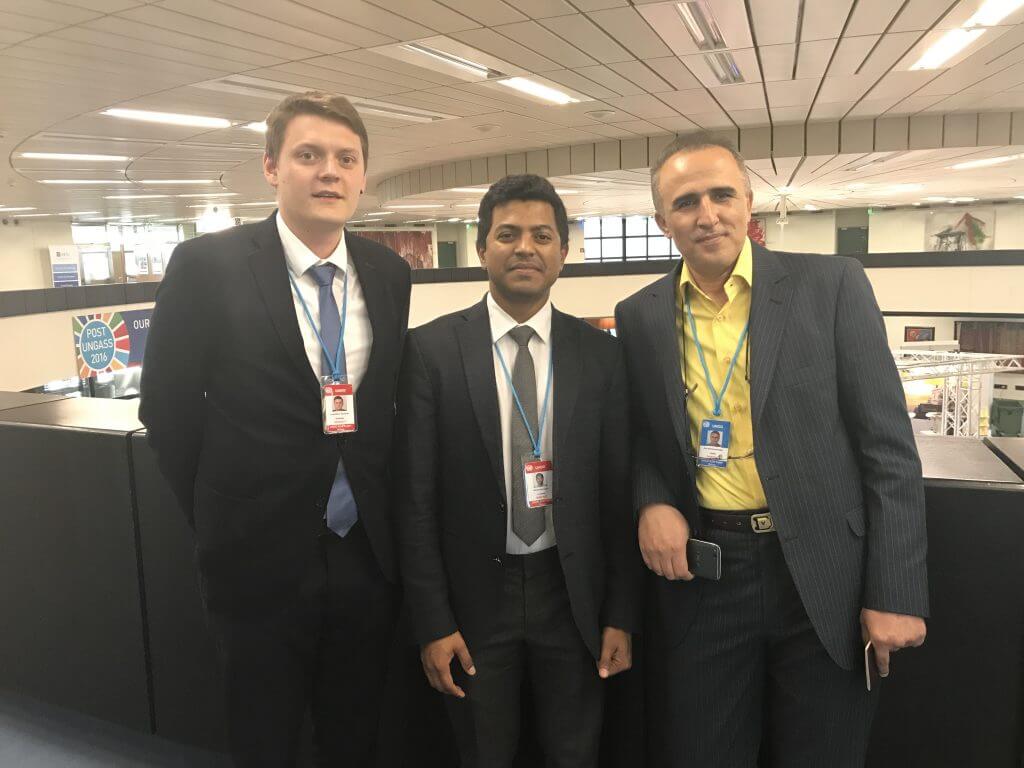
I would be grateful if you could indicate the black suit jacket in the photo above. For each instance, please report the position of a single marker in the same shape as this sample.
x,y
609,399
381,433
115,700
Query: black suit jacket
x,y
232,409
832,442
451,490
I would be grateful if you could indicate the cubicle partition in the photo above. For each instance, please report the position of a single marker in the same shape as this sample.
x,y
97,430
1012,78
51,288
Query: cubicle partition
x,y
103,612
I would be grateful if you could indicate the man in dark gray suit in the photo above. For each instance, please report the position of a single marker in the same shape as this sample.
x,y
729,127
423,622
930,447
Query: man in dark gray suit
x,y
814,491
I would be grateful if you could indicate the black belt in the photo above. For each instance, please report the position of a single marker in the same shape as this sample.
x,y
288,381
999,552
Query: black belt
x,y
742,521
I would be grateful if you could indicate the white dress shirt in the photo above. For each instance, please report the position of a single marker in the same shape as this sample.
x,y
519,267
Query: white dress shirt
x,y
540,349
358,332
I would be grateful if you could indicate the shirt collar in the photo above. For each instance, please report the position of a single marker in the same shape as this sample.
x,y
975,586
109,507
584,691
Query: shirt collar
x,y
298,255
502,322
743,269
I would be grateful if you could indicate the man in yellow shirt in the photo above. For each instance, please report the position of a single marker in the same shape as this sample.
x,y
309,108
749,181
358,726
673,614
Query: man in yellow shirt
x,y
768,419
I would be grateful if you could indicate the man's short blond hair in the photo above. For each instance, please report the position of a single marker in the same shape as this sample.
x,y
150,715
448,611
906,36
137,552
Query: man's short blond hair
x,y
319,103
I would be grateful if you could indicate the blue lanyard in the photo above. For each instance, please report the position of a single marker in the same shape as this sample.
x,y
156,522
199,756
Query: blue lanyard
x,y
336,364
716,395
534,439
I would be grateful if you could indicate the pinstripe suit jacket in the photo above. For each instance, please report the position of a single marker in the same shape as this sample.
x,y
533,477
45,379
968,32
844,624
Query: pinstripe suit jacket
x,y
832,442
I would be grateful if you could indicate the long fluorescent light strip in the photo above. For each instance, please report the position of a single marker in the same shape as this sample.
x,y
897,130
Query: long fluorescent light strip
x,y
985,162
133,197
472,67
158,182
168,118
71,156
537,90
992,12
12,210
94,182
701,24
946,47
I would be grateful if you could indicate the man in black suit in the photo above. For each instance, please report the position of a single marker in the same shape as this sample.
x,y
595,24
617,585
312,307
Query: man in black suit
x,y
255,330
813,490
514,527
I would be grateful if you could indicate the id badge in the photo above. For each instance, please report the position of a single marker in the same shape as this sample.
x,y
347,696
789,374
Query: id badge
x,y
539,476
339,407
714,443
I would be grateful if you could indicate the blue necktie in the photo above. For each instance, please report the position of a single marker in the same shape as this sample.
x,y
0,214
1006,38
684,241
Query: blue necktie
x,y
341,506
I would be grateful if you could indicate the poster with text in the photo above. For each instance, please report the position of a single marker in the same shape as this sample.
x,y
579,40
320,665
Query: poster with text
x,y
110,341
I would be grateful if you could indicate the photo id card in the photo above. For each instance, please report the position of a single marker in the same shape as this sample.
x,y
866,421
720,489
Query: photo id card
x,y
714,443
339,407
539,479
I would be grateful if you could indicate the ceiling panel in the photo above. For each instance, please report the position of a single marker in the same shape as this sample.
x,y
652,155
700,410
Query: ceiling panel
x,y
901,84
487,12
775,21
675,72
746,62
16,22
814,57
629,28
730,15
543,9
841,89
304,17
850,54
676,124
430,14
49,11
791,93
10,36
578,82
912,105
740,96
890,49
355,69
507,47
919,15
783,115
535,37
271,28
777,61
609,79
639,73
102,6
588,37
163,19
830,110
869,107
139,31
597,5
749,117
824,21
370,16
692,102
640,127
871,17
643,106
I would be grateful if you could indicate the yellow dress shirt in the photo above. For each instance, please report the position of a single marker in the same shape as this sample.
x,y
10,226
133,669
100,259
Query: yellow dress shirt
x,y
738,485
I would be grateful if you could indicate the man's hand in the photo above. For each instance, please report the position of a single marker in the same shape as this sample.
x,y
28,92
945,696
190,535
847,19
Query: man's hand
x,y
663,533
437,663
889,632
616,652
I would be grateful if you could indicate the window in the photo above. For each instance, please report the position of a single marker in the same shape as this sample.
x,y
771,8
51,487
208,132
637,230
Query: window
x,y
625,238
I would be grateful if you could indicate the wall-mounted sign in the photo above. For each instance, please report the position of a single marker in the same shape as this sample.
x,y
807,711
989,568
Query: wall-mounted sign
x,y
110,341
64,266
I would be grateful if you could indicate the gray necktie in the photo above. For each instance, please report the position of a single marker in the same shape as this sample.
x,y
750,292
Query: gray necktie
x,y
527,524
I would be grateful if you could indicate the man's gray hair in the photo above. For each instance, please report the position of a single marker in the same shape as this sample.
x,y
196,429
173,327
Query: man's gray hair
x,y
693,142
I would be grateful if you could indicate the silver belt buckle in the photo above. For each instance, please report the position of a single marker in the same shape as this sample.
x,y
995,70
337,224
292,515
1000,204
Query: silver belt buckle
x,y
762,523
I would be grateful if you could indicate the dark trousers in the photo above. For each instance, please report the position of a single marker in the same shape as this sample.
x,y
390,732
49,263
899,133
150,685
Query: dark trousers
x,y
535,636
325,654
751,684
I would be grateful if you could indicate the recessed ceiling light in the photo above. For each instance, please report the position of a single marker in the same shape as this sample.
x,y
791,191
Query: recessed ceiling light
x,y
811,208
487,127
11,210
935,199
946,47
701,24
601,114
724,67
260,127
158,182
467,190
133,197
413,207
992,12
456,218
537,90
66,213
984,162
73,156
243,205
567,191
204,194
380,213
467,205
94,182
169,118
963,200
1018,197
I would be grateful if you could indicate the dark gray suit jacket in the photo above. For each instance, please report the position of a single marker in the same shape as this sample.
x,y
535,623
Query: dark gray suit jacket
x,y
832,442
450,491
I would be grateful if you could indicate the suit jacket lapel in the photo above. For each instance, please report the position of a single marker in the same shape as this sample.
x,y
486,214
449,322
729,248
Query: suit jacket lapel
x,y
474,337
565,340
769,311
664,340
270,270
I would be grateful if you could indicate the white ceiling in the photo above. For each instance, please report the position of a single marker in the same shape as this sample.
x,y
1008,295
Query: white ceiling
x,y
634,64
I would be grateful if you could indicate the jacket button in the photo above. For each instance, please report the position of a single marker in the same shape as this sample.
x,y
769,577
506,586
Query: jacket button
x,y
501,506
497,560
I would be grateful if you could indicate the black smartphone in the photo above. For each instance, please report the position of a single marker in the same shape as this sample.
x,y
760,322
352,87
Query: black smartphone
x,y
704,559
